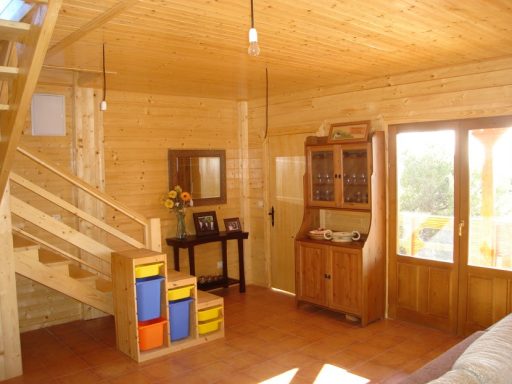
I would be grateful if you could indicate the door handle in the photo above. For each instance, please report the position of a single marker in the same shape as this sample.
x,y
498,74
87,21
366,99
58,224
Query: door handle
x,y
461,226
271,214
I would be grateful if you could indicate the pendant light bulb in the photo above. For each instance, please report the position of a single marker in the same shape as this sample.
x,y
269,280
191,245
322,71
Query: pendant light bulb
x,y
254,48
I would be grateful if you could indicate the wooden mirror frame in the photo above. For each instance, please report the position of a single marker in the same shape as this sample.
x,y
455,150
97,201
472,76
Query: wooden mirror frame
x,y
175,154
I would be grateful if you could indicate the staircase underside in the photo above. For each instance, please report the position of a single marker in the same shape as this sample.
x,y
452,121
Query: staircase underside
x,y
58,273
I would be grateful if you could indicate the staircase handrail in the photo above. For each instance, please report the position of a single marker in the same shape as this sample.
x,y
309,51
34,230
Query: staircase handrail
x,y
96,193
74,210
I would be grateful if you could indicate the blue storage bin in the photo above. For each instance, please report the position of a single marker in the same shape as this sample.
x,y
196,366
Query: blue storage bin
x,y
179,318
149,294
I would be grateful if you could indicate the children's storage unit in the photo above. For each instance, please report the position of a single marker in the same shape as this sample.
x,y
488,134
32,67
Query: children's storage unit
x,y
140,303
159,311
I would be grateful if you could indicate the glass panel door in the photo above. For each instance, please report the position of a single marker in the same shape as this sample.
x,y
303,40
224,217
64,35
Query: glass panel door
x,y
322,176
490,198
355,176
425,194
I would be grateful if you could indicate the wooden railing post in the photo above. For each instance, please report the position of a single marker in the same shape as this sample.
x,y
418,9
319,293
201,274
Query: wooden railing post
x,y
10,353
154,235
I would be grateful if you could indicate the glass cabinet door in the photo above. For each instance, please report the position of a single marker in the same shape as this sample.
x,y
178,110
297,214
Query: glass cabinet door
x,y
356,174
321,176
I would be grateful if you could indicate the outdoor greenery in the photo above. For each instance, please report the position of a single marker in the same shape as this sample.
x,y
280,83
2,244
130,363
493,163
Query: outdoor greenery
x,y
427,182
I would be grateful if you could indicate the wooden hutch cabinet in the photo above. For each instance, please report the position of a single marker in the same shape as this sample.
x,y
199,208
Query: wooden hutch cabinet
x,y
345,277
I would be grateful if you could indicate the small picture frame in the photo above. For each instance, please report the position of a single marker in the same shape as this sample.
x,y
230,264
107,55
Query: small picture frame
x,y
205,223
348,132
232,224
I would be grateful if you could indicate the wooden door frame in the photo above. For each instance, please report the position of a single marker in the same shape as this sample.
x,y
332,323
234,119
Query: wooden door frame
x,y
267,204
393,130
461,209
464,269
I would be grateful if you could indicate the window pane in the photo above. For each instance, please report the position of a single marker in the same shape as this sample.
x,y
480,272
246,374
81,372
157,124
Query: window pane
x,y
490,173
425,163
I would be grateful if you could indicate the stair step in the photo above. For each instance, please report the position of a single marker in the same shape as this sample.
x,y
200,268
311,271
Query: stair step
x,y
48,257
13,30
8,73
21,242
25,248
82,274
103,285
54,261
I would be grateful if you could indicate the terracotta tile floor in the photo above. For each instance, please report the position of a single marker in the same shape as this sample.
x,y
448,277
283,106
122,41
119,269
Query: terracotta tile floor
x,y
268,339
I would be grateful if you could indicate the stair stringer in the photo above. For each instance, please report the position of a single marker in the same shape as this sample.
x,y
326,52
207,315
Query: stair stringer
x,y
52,278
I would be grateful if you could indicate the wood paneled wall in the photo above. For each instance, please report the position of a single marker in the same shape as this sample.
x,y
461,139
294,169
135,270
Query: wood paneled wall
x,y
139,129
479,89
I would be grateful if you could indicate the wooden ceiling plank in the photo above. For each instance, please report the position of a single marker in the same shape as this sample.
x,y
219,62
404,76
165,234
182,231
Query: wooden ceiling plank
x,y
92,25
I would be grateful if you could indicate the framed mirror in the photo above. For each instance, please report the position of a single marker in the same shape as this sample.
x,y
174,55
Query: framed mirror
x,y
202,172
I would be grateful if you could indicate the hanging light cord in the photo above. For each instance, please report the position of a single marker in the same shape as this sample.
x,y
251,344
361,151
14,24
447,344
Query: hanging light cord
x,y
252,14
266,103
104,75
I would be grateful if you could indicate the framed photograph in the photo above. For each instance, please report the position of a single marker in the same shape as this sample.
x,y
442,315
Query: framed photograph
x,y
205,223
232,224
348,132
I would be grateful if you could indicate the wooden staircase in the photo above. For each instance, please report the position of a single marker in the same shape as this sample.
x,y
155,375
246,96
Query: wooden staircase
x,y
60,273
23,46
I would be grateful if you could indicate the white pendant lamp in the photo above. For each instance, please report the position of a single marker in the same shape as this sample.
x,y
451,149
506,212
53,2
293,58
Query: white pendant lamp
x,y
254,48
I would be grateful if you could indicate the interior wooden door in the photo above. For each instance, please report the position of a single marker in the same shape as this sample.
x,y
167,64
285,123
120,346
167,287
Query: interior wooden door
x,y
424,210
286,173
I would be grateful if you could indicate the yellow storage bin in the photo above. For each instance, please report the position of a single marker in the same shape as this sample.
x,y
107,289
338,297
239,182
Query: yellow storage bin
x,y
208,314
147,270
208,327
179,293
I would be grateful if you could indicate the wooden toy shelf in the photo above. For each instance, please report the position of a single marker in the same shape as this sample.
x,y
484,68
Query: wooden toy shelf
x,y
124,265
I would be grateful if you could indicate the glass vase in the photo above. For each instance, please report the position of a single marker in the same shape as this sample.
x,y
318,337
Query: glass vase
x,y
181,230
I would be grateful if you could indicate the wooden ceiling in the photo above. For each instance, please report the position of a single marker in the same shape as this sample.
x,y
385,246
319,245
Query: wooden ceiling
x,y
199,47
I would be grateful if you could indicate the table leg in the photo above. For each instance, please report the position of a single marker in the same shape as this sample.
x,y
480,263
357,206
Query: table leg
x,y
241,270
191,261
225,262
176,254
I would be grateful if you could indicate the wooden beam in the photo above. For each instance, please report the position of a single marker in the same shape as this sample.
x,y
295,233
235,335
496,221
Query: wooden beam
x,y
59,229
75,211
75,69
10,348
8,73
91,26
13,30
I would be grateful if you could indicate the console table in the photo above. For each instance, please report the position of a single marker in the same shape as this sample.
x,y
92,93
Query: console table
x,y
192,240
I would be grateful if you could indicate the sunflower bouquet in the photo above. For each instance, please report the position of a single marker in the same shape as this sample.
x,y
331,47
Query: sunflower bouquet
x,y
177,200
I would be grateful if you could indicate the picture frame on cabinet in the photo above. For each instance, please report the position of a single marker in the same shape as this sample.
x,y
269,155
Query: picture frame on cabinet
x,y
205,223
232,225
348,132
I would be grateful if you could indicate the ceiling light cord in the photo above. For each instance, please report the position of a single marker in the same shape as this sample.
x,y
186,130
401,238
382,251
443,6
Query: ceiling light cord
x,y
254,49
103,104
252,14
